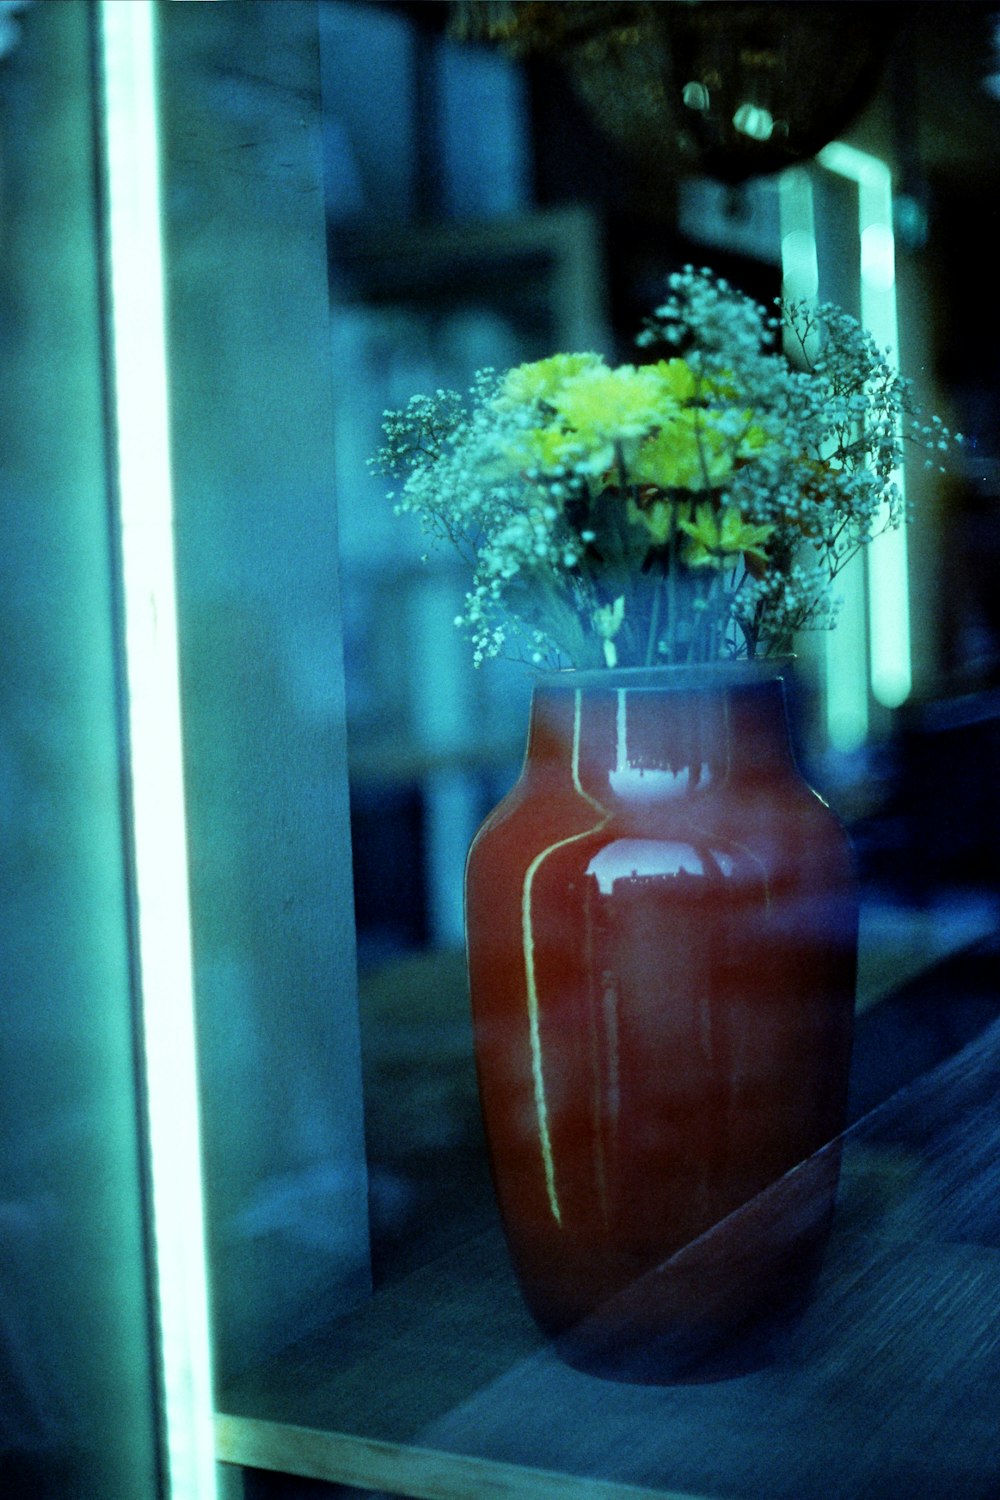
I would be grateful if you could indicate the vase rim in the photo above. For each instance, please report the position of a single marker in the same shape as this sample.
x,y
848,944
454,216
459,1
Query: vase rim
x,y
677,677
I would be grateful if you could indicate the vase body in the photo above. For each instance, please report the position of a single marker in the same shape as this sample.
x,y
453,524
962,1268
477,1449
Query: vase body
x,y
661,923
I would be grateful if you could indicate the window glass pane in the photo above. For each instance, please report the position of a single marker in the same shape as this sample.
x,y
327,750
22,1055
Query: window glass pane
x,y
440,1383
77,1389
262,671
369,135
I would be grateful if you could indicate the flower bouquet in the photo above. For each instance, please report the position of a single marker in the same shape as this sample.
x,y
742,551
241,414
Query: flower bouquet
x,y
694,508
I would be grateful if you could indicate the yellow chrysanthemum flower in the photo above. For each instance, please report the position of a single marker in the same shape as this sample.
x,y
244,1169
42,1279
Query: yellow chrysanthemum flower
x,y
546,448
655,515
687,385
754,441
687,454
718,536
605,405
677,379
691,453
528,384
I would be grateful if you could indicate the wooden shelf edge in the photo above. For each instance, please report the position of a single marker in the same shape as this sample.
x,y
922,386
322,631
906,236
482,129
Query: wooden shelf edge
x,y
400,1469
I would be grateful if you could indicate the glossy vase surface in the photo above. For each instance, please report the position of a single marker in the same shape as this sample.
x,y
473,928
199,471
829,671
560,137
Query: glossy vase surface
x,y
661,923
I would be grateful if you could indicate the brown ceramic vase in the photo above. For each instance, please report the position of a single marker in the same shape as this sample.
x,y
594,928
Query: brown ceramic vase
x,y
662,923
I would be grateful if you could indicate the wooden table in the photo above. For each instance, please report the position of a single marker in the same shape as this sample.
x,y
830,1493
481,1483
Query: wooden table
x,y
889,1387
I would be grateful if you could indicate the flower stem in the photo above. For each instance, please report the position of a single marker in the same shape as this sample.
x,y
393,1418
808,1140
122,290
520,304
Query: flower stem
x,y
654,625
622,470
705,624
672,585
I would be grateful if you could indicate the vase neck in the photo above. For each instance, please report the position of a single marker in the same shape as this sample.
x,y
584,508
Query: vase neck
x,y
651,741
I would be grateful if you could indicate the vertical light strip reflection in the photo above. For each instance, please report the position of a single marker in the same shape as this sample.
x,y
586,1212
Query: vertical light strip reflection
x,y
888,569
140,402
844,650
799,260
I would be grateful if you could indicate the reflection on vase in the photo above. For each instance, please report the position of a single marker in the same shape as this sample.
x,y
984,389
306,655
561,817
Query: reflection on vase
x,y
662,935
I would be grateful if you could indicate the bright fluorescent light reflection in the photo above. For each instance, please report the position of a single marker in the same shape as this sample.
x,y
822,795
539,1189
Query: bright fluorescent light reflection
x,y
878,258
754,121
798,259
164,942
890,647
844,651
844,657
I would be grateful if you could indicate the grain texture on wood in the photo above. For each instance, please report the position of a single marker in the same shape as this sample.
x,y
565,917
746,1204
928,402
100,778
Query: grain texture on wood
x,y
888,1387
419,1473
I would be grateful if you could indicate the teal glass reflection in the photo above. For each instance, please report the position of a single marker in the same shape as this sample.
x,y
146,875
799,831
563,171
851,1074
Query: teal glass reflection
x,y
77,1390
262,672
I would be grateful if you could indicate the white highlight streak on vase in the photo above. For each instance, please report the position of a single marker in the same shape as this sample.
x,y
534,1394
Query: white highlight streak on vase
x,y
534,1032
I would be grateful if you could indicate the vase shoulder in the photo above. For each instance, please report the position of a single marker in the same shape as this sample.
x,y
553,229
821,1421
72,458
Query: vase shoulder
x,y
680,677
665,734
